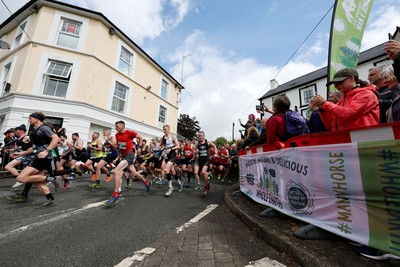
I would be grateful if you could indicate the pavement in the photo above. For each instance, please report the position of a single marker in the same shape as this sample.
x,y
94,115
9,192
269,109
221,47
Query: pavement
x,y
245,237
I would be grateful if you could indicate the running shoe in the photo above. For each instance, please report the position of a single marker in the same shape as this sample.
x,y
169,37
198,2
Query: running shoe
x,y
169,192
18,198
197,187
161,182
93,177
148,187
219,177
48,203
128,186
66,185
204,191
108,179
72,177
17,184
56,185
180,188
375,254
95,185
111,201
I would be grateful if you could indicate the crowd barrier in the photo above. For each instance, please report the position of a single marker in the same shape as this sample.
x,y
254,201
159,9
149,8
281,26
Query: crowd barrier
x,y
346,182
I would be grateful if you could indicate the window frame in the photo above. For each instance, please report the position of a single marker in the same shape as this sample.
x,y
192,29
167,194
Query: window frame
x,y
165,110
61,32
121,60
313,88
5,76
20,33
166,90
117,83
58,78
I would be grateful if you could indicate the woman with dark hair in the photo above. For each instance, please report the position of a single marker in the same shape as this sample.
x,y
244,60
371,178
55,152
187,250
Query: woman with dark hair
x,y
276,124
250,123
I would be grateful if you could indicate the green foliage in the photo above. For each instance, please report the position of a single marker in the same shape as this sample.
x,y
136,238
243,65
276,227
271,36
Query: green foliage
x,y
188,127
220,141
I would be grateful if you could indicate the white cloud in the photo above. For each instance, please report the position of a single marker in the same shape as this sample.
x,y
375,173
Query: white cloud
x,y
382,21
140,19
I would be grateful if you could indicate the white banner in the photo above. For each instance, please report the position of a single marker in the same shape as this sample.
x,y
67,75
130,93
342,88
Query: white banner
x,y
320,185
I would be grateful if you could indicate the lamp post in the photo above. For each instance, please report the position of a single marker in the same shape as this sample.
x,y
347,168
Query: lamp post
x,y
183,63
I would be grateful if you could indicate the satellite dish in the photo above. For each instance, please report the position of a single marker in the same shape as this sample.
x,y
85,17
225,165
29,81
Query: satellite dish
x,y
4,45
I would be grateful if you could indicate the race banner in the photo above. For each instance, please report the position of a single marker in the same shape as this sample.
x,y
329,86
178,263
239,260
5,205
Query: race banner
x,y
352,190
347,29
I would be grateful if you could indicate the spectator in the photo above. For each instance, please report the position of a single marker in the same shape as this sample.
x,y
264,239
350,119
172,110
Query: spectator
x,y
252,135
386,95
357,107
392,49
262,138
276,123
250,123
393,113
259,125
315,124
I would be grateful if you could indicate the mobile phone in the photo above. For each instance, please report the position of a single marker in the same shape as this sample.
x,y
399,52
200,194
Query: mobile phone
x,y
390,36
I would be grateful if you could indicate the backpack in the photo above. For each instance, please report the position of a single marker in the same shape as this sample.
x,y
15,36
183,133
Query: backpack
x,y
295,124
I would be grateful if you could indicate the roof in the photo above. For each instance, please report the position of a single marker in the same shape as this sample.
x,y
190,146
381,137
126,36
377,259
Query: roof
x,y
34,5
365,56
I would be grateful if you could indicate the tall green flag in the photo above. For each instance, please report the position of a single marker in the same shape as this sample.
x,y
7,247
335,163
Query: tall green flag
x,y
347,29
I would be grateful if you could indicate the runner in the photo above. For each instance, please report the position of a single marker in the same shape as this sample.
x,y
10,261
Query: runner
x,y
96,154
110,154
125,143
203,148
44,140
170,145
21,154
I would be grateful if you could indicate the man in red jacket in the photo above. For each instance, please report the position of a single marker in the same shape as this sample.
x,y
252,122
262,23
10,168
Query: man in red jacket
x,y
357,107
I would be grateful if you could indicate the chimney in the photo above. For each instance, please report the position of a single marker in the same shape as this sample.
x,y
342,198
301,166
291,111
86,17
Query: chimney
x,y
273,84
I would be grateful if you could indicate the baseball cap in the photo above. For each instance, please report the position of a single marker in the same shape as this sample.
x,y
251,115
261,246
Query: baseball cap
x,y
342,75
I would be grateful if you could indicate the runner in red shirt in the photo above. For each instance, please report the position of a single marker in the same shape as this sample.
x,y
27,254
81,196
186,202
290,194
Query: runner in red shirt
x,y
125,143
223,162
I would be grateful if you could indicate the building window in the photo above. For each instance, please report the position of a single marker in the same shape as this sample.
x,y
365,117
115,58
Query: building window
x,y
6,74
164,89
18,36
69,33
162,115
125,61
306,94
119,98
57,76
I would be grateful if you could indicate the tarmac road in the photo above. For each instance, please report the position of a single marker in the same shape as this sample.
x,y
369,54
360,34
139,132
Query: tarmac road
x,y
80,231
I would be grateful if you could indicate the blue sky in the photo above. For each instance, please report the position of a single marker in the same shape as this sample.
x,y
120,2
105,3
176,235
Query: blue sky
x,y
235,47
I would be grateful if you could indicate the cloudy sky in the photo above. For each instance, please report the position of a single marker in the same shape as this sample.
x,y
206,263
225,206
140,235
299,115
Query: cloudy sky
x,y
231,48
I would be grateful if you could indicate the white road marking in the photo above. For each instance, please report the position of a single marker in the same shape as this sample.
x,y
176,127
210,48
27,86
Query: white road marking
x,y
142,254
57,218
265,262
138,256
209,209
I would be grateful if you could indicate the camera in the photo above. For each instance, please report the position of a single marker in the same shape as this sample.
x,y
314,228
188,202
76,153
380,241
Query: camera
x,y
260,107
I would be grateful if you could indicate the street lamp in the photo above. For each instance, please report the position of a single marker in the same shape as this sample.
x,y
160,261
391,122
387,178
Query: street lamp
x,y
183,63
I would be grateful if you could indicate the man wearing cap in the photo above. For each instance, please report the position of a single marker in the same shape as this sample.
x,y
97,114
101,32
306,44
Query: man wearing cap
x,y
44,140
22,155
357,107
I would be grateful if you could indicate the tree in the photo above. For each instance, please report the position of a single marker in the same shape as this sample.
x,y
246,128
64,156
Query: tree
x,y
220,141
188,127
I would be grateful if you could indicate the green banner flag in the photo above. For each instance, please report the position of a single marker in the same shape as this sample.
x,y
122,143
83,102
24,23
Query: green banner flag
x,y
348,24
